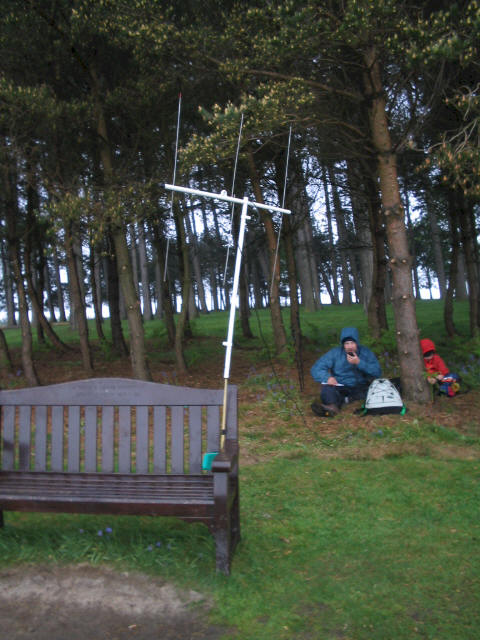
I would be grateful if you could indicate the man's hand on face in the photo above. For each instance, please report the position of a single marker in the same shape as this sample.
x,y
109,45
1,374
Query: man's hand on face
x,y
351,349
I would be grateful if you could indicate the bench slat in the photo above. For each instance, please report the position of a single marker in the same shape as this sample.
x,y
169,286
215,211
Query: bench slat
x,y
159,440
74,439
57,439
213,428
8,448
141,451
90,438
177,439
24,437
41,438
195,433
108,439
124,439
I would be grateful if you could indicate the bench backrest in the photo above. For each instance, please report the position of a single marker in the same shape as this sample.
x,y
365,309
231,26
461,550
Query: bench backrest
x,y
112,424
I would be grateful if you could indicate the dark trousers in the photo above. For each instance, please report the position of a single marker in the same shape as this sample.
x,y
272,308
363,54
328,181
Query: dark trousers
x,y
333,394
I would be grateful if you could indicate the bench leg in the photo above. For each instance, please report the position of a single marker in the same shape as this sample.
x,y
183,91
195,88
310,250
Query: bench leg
x,y
223,550
1,518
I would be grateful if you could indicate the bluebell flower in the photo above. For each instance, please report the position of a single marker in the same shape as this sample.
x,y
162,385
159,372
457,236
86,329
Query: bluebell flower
x,y
100,533
149,548
158,544
108,529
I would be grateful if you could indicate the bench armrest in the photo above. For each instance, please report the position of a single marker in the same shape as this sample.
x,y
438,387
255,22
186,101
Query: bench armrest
x,y
226,460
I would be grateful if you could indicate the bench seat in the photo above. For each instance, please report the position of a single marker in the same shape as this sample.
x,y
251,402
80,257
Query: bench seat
x,y
125,447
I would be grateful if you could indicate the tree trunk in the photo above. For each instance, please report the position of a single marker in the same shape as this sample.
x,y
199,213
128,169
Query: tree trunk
x,y
11,215
35,296
279,334
333,254
410,357
301,228
197,270
342,239
78,300
6,358
467,244
363,232
184,263
113,295
377,313
144,277
8,282
411,245
295,328
94,260
48,285
164,290
58,282
437,249
452,276
138,356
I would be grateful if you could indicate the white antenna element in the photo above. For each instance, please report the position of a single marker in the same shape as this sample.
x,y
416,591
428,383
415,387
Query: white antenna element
x,y
228,344
283,204
174,175
233,204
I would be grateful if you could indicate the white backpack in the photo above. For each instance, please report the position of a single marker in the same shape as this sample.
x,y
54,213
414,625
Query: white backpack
x,y
383,397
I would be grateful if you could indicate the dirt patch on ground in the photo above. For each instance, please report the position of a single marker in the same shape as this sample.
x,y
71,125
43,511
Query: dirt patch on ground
x,y
84,602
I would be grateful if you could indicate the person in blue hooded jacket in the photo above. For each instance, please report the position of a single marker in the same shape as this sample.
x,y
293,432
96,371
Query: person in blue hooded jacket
x,y
344,372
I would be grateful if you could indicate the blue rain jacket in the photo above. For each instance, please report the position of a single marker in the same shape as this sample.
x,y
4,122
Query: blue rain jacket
x,y
334,363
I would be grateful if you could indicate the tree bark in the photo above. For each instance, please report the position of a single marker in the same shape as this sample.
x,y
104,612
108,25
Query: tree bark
x,y
279,334
93,260
452,276
138,356
58,281
185,280
11,214
342,239
333,254
437,249
144,276
8,282
164,290
377,313
78,299
7,361
407,335
467,244
113,294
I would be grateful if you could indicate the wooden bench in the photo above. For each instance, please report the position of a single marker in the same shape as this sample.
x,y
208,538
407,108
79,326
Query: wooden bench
x,y
120,446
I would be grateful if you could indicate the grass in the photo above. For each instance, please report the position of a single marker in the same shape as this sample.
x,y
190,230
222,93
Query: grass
x,y
369,530
358,550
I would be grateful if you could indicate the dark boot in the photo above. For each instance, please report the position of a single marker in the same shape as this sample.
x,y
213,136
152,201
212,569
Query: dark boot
x,y
325,410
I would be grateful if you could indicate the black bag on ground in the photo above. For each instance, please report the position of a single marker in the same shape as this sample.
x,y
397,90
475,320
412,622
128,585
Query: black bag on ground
x,y
383,397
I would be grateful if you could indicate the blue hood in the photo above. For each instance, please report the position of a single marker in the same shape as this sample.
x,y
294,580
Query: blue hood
x,y
350,332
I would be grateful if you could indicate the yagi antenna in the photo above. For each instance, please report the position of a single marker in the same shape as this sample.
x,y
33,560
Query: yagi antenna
x,y
173,182
283,205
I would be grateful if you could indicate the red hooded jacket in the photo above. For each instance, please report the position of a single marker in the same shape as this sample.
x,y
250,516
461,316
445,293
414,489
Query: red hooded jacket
x,y
434,365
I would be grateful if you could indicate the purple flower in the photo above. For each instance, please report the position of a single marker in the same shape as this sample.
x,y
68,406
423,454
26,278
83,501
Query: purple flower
x,y
108,529
149,548
100,533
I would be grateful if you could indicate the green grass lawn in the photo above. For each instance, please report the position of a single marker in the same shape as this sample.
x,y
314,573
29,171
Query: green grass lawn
x,y
336,543
331,549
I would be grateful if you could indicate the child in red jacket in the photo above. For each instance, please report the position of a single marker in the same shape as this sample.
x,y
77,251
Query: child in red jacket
x,y
440,374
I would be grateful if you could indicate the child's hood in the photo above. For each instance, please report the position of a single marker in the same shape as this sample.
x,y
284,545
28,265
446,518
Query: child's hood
x,y
427,345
